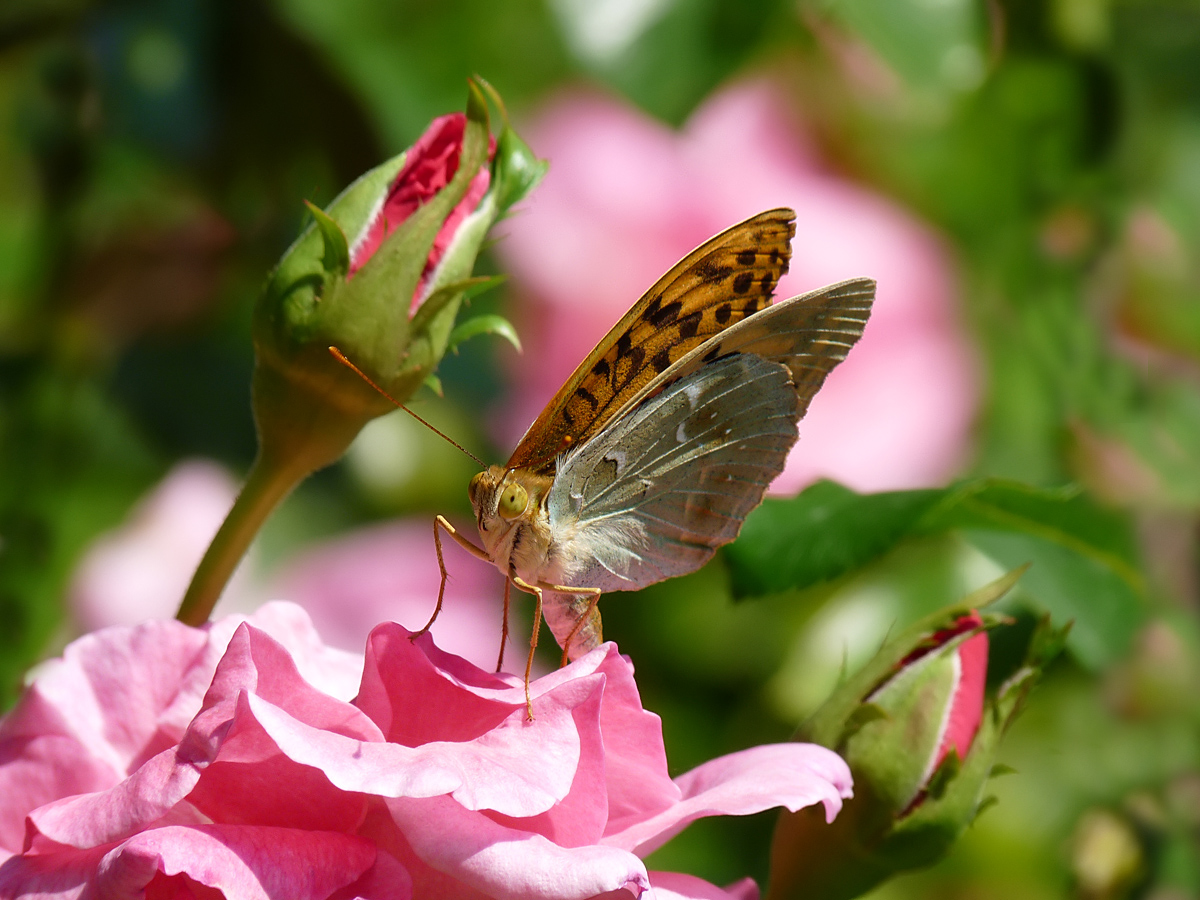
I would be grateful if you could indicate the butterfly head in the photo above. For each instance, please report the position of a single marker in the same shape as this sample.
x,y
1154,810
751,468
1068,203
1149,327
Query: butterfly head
x,y
505,500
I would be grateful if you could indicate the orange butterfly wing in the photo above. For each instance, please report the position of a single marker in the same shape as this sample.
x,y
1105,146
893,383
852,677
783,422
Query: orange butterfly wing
x,y
721,282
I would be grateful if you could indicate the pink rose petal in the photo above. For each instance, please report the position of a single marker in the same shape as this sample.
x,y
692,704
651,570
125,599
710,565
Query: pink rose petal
x,y
242,862
54,876
509,864
678,886
789,775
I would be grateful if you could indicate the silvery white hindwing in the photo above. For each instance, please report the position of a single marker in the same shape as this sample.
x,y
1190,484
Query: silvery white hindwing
x,y
667,435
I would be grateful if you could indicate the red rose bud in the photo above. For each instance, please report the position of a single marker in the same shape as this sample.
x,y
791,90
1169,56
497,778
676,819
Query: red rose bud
x,y
428,168
387,300
933,705
920,734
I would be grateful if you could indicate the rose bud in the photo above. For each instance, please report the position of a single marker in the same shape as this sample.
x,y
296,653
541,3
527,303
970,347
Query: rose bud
x,y
379,274
919,733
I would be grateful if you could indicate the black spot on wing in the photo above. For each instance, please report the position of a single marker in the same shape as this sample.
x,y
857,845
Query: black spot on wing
x,y
587,397
600,369
624,342
746,258
661,360
723,313
742,283
665,315
636,357
690,324
709,272
768,282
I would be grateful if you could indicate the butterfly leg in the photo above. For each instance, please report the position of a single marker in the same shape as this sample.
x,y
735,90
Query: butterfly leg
x,y
533,637
504,627
441,522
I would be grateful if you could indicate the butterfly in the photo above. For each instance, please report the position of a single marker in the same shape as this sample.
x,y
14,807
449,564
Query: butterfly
x,y
666,436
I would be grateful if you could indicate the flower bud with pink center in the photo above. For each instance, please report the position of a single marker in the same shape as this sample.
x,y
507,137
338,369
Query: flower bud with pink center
x,y
920,730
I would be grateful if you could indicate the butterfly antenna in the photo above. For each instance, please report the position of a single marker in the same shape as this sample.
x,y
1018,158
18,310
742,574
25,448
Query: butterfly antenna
x,y
341,357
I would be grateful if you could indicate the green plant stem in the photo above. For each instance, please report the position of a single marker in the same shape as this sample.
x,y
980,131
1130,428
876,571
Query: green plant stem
x,y
266,485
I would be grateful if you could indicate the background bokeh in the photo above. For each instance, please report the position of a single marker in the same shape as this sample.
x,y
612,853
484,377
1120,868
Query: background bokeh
x,y
1022,177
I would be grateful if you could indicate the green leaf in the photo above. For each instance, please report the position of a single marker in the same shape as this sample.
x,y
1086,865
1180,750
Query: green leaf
x,y
1065,517
824,532
929,47
1072,586
336,260
1085,565
487,324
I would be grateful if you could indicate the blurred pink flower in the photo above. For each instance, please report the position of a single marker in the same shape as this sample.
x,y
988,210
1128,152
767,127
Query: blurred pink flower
x,y
389,572
626,197
248,760
140,570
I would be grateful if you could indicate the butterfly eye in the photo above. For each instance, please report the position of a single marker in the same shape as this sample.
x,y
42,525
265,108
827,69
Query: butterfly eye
x,y
513,501
473,487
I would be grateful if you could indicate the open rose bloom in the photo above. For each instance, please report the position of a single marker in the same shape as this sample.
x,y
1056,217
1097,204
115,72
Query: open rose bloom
x,y
246,759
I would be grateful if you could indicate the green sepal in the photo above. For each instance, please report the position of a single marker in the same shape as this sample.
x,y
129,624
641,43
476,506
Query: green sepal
x,y
894,753
433,321
336,259
293,288
984,805
946,771
515,169
864,715
434,384
481,284
485,324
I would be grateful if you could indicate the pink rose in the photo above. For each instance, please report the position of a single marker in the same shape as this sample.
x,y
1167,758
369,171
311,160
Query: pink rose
x,y
430,164
626,197
248,760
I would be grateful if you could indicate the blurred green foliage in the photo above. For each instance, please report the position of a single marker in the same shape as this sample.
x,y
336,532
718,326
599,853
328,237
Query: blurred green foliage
x,y
153,159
